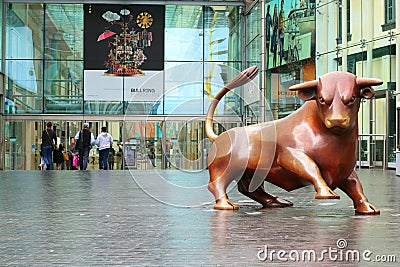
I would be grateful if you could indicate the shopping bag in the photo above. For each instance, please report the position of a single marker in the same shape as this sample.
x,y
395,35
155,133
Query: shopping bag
x,y
75,161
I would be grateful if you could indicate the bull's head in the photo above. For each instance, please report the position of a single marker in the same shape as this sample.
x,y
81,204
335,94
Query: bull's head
x,y
338,96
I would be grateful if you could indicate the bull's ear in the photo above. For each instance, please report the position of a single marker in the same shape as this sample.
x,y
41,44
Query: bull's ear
x,y
306,91
307,95
364,84
367,92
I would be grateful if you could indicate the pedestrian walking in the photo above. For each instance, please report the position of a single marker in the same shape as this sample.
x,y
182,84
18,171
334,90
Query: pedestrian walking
x,y
58,156
152,156
42,165
84,139
111,159
49,142
73,161
119,156
104,142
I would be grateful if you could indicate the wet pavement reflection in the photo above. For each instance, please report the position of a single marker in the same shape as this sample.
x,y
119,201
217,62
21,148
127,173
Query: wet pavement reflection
x,y
165,218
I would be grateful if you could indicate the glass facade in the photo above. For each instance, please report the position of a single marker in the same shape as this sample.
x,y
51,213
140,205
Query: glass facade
x,y
44,60
45,80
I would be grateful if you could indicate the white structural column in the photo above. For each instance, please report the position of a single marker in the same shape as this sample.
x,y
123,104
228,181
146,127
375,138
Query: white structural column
x,y
397,81
367,19
322,27
344,35
367,34
398,52
263,71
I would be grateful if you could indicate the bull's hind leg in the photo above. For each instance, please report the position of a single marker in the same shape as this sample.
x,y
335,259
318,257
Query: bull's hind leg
x,y
262,197
219,181
352,187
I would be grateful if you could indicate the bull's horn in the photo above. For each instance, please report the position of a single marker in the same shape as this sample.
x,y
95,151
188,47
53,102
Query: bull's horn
x,y
304,86
365,82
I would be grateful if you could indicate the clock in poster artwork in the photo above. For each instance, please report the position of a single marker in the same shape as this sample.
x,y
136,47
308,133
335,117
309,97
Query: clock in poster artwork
x,y
126,48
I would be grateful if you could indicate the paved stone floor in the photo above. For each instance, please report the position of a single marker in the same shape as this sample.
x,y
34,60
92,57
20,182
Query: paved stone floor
x,y
165,218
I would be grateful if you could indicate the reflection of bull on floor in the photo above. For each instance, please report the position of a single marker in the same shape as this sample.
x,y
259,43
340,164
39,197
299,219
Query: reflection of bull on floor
x,y
316,145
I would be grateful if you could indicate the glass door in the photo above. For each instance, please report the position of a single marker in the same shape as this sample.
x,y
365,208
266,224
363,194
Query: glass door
x,y
184,145
142,145
22,141
372,141
115,158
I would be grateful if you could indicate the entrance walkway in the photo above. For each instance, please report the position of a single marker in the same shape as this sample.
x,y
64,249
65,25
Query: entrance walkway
x,y
165,218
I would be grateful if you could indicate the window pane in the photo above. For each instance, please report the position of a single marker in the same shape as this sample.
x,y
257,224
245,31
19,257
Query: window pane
x,y
253,23
392,11
325,51
183,88
63,86
216,76
24,36
104,107
183,33
1,34
144,108
24,86
253,37
220,26
14,139
253,53
64,31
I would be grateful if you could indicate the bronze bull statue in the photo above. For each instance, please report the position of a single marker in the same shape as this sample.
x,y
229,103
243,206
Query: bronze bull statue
x,y
314,145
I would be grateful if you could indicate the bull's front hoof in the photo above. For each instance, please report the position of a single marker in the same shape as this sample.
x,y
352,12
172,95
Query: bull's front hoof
x,y
276,202
223,204
365,208
326,193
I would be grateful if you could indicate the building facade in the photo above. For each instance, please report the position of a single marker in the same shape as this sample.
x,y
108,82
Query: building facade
x,y
148,70
302,40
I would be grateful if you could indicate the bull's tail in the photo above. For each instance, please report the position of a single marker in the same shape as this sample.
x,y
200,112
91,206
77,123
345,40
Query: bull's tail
x,y
243,78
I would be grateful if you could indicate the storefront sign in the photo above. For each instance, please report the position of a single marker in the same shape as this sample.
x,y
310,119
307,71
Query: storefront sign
x,y
144,88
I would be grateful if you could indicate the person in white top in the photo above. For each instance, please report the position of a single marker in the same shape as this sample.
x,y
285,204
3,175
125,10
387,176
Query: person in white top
x,y
104,142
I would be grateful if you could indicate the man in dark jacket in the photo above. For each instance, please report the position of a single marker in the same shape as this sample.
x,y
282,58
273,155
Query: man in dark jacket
x,y
84,139
49,142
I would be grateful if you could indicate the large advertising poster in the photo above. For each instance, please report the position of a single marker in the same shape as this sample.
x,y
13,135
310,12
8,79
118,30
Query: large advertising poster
x,y
124,52
290,32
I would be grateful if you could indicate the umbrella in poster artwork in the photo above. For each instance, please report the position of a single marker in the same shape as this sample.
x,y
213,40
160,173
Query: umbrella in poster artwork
x,y
105,35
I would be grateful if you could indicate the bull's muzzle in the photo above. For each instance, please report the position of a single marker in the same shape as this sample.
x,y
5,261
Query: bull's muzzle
x,y
337,122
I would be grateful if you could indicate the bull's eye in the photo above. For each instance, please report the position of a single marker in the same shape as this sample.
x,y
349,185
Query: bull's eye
x,y
352,100
321,100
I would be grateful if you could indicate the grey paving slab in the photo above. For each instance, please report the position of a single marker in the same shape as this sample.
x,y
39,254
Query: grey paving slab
x,y
165,218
